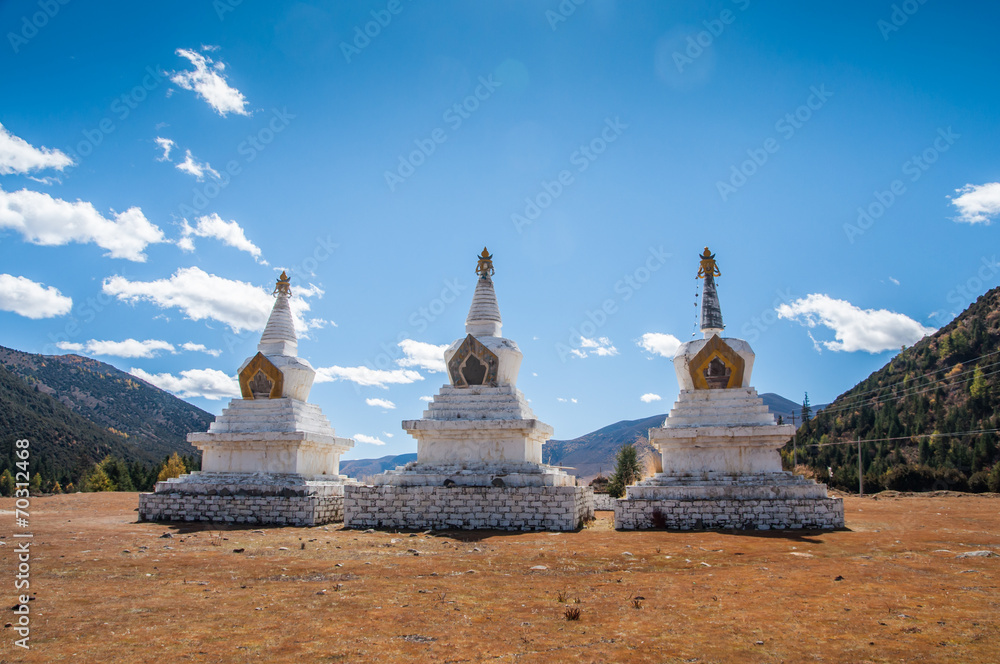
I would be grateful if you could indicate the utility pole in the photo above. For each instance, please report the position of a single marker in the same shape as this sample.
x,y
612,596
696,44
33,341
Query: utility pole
x,y
861,477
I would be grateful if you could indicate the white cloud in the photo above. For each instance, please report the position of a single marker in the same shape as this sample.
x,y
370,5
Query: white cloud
x,y
601,347
978,204
126,348
204,296
427,399
166,145
660,344
198,169
207,383
649,397
380,403
561,400
200,348
209,82
371,440
422,355
42,219
19,156
894,280
387,434
366,376
213,226
31,299
855,329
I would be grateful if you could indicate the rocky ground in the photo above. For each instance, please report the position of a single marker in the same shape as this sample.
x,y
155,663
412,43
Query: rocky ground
x,y
900,584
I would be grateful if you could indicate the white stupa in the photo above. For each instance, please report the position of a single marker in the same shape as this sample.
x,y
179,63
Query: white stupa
x,y
479,446
271,457
719,446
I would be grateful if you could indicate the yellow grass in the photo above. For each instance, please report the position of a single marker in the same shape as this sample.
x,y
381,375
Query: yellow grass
x,y
350,596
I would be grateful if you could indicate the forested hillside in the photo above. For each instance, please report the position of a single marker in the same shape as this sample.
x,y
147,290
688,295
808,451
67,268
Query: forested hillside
x,y
928,419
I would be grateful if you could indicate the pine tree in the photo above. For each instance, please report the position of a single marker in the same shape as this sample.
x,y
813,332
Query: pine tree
x,y
979,388
628,470
6,483
35,485
98,481
172,467
806,410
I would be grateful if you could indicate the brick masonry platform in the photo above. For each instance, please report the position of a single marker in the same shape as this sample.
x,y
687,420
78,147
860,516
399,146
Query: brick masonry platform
x,y
754,514
282,500
468,507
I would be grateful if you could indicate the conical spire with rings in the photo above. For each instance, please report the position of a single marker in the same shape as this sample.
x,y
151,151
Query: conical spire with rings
x,y
484,314
711,310
279,334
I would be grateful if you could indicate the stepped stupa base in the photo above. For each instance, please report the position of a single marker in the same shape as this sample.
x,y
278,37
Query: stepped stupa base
x,y
714,501
282,499
468,507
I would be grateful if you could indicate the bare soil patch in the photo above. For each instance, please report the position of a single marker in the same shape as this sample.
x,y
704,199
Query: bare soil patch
x,y
889,588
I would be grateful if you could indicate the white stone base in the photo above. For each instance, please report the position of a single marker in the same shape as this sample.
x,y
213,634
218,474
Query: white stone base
x,y
558,508
253,498
476,474
717,502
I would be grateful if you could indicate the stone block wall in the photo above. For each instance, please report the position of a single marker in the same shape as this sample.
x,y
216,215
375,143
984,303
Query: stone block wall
x,y
468,507
763,514
603,501
307,510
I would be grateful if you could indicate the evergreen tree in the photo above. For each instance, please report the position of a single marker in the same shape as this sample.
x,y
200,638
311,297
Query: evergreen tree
x,y
806,410
172,467
6,483
628,470
35,485
98,481
979,388
57,488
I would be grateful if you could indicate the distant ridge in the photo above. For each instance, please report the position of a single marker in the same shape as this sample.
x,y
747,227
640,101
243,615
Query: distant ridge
x,y
586,456
358,468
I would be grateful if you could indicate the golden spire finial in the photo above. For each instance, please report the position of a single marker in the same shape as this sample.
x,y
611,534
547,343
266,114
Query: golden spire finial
x,y
284,285
708,266
485,266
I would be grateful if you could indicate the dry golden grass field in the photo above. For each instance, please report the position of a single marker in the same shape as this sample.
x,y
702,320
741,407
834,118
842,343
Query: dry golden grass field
x,y
889,588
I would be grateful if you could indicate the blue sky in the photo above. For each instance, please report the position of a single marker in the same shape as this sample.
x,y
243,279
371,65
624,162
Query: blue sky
x,y
160,163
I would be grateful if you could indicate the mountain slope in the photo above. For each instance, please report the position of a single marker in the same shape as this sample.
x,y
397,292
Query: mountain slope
x,y
63,444
358,468
76,411
946,383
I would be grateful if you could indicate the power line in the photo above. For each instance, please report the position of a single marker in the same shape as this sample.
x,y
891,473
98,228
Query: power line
x,y
908,438
914,390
